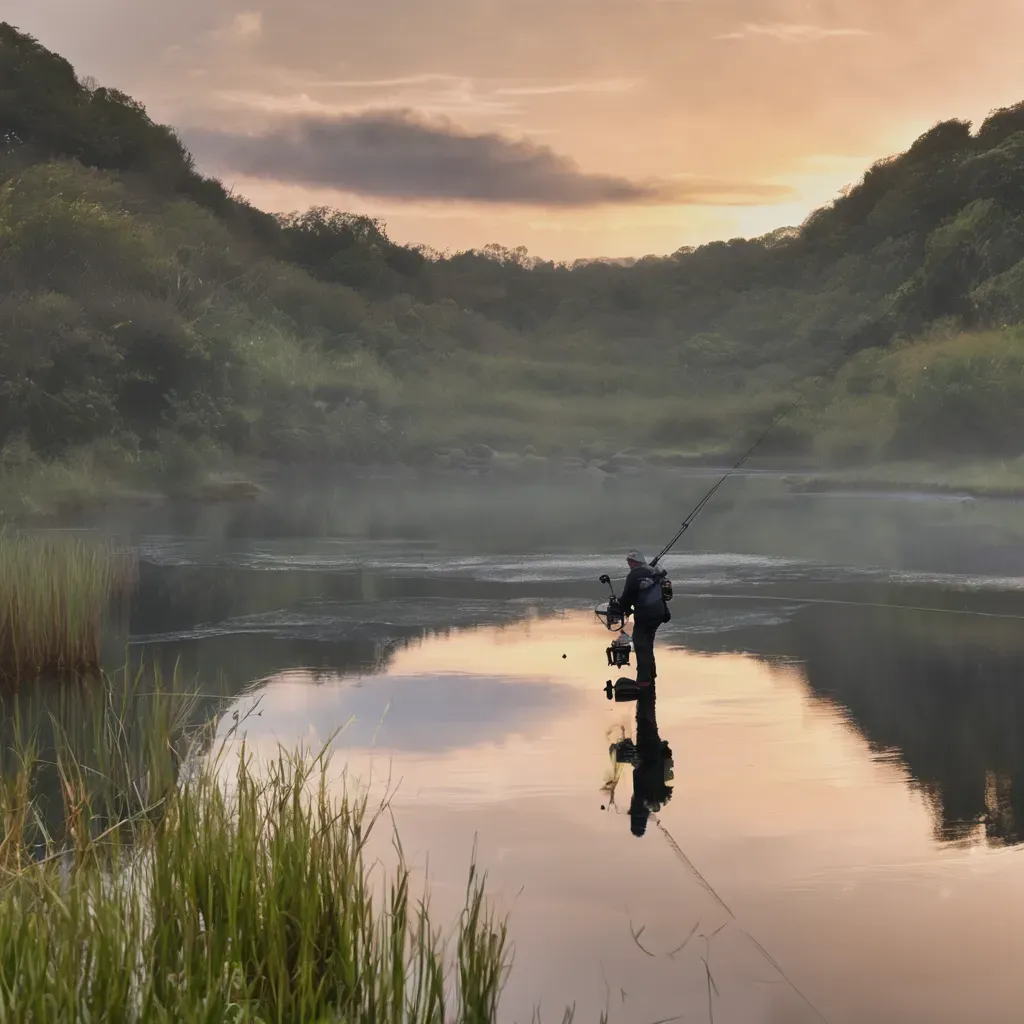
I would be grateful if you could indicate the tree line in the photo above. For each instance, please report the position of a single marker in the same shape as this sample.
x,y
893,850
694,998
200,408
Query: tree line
x,y
147,308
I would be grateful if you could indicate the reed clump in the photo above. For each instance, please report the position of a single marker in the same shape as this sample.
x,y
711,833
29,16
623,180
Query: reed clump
x,y
246,897
54,592
82,767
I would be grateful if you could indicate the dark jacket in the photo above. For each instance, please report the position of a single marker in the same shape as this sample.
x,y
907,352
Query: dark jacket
x,y
643,599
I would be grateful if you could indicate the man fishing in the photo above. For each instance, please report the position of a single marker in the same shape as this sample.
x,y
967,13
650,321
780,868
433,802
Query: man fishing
x,y
642,598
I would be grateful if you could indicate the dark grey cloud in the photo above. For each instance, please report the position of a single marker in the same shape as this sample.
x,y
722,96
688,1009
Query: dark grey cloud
x,y
398,154
410,714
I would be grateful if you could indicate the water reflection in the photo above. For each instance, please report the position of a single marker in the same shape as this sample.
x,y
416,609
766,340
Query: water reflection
x,y
824,854
651,760
941,694
417,716
827,756
947,697
229,627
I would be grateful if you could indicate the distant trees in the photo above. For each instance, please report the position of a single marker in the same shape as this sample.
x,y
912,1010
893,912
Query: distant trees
x,y
347,248
140,296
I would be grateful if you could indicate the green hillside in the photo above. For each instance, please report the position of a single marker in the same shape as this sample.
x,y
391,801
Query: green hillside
x,y
152,325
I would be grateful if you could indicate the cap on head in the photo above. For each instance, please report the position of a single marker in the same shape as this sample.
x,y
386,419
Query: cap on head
x,y
635,558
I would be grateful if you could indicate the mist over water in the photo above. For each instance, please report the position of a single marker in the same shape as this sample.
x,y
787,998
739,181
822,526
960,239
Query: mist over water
x,y
754,513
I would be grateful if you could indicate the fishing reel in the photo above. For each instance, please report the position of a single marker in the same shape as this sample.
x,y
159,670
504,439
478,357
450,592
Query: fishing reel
x,y
611,614
610,611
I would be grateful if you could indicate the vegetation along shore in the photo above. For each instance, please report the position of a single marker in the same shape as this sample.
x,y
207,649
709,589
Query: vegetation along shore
x,y
184,342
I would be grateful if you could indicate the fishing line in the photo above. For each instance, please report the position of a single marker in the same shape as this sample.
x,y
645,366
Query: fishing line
x,y
853,604
678,850
711,891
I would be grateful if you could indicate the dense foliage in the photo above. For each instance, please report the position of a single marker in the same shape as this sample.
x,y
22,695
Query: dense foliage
x,y
145,310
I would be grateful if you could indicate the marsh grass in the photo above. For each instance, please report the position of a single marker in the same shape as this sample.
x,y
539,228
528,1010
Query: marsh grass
x,y
82,767
187,883
54,592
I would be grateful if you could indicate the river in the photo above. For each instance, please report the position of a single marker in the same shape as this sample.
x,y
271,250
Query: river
x,y
832,798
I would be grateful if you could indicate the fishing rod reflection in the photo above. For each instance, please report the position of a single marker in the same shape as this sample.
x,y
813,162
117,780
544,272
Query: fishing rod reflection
x,y
648,755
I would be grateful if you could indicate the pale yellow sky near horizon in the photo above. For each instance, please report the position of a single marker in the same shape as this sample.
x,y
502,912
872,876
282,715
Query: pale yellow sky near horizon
x,y
577,128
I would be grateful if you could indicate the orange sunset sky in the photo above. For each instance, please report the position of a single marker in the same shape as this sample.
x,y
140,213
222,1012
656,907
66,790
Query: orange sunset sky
x,y
577,128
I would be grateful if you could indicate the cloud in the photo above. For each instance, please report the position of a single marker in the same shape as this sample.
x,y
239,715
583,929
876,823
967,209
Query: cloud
x,y
790,33
444,101
427,713
398,154
244,25
427,78
432,93
598,85
586,85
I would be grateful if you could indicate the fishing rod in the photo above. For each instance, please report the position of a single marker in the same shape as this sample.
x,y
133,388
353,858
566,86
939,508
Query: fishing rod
x,y
610,612
701,505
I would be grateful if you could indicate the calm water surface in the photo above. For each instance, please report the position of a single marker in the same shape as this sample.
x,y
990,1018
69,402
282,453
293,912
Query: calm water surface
x,y
846,771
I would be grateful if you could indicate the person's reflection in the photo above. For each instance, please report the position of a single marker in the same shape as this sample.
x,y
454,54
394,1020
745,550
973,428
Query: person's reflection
x,y
651,758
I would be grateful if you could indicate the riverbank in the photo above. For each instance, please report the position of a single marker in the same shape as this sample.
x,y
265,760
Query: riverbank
x,y
59,491
64,489
990,479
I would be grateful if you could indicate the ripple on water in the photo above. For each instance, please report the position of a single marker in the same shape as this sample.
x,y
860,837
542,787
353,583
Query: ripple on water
x,y
413,559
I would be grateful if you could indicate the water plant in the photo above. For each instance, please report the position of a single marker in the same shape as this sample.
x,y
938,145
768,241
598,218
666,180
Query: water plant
x,y
54,591
230,890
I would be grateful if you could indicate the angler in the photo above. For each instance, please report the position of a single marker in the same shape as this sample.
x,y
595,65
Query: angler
x,y
644,597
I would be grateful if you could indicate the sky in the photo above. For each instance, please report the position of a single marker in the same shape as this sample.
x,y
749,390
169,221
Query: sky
x,y
576,128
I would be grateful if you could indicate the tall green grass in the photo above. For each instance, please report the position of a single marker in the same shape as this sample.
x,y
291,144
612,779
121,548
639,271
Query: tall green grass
x,y
224,891
54,592
81,766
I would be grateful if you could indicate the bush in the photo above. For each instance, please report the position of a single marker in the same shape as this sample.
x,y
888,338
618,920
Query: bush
x,y
968,399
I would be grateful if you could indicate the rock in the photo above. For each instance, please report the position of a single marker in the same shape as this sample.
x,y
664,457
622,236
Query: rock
x,y
534,462
482,452
457,457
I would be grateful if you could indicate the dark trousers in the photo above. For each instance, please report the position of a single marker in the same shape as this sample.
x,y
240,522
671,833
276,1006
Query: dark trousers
x,y
643,647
